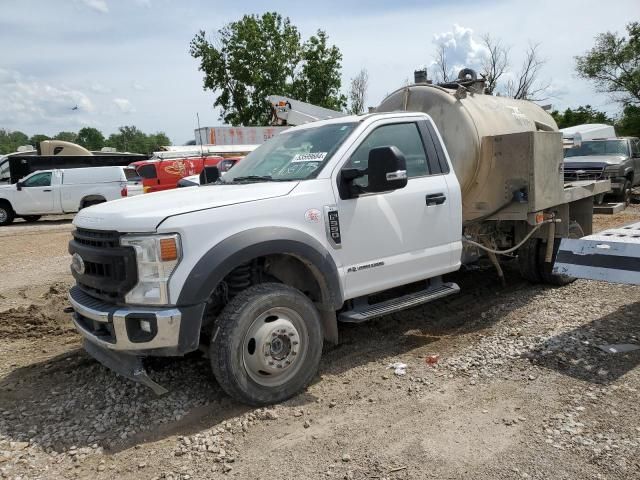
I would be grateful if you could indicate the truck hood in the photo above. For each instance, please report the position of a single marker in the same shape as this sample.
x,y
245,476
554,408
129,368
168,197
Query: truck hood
x,y
607,159
144,213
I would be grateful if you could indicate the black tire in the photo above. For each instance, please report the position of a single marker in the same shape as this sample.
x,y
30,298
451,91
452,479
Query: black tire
x,y
625,195
546,269
256,315
31,218
7,214
528,263
91,202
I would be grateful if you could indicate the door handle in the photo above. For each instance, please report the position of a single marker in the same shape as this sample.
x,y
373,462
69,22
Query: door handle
x,y
435,199
46,190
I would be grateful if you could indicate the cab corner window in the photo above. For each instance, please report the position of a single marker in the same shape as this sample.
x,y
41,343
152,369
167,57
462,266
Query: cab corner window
x,y
39,180
405,136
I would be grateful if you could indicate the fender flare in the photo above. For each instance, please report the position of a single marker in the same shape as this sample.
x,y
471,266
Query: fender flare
x,y
244,246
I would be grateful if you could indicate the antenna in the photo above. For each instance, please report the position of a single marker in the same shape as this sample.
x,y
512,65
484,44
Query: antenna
x,y
199,135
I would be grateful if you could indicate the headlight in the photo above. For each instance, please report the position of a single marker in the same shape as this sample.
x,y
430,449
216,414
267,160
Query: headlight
x,y
612,170
157,257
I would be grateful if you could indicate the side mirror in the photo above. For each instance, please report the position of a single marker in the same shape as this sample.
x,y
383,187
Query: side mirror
x,y
209,175
387,169
19,186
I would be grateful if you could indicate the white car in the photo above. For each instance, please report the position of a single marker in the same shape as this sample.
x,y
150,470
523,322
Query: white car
x,y
61,191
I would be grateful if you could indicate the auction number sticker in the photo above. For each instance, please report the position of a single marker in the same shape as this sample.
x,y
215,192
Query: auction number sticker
x,y
309,157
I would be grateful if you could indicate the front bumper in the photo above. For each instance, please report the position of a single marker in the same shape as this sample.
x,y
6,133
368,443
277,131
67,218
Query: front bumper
x,y
174,330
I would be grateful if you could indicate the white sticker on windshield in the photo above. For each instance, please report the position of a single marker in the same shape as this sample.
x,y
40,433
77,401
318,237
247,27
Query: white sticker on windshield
x,y
309,157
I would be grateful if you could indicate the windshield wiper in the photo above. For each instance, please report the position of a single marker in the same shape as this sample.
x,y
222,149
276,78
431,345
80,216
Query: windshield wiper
x,y
257,178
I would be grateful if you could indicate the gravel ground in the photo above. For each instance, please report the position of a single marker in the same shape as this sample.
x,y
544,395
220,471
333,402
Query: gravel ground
x,y
499,383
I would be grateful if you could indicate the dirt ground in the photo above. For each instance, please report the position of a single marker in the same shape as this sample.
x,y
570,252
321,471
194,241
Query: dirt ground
x,y
520,389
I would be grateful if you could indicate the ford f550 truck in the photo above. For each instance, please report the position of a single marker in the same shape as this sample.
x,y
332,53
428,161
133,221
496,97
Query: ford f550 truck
x,y
260,265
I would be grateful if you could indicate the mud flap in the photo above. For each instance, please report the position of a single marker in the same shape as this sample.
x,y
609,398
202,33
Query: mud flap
x,y
129,366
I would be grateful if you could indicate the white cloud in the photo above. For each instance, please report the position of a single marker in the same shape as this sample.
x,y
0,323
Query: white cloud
x,y
138,86
461,49
29,101
97,5
100,88
124,105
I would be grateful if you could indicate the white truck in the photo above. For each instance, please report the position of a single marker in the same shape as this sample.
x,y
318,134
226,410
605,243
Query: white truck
x,y
259,266
60,191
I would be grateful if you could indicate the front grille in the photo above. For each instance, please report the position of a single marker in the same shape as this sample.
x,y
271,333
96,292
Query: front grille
x,y
110,270
576,173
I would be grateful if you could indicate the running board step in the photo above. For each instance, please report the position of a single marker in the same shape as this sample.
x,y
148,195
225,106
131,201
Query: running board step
x,y
367,312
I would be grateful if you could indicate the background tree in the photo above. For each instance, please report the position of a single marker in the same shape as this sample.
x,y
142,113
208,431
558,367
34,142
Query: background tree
x,y
358,92
629,122
66,136
614,65
263,55
583,114
37,138
90,138
526,84
442,71
131,139
495,62
320,80
11,140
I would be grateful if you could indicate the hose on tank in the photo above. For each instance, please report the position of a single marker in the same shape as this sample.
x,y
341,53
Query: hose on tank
x,y
512,249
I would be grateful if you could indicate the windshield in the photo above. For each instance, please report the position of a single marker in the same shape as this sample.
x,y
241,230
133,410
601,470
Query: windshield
x,y
600,147
293,155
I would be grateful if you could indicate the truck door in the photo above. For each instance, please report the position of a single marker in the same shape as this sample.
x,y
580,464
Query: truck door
x,y
37,195
393,238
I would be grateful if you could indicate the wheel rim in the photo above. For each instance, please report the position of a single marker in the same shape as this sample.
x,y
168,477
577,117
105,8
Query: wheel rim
x,y
275,346
3,215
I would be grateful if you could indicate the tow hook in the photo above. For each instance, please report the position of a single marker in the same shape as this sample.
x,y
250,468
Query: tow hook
x,y
129,366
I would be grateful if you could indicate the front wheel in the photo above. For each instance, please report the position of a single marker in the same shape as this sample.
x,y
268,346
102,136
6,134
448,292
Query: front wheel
x,y
266,344
6,214
625,194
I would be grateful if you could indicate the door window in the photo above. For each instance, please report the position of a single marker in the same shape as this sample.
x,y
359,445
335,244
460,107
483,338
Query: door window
x,y
38,180
404,136
147,171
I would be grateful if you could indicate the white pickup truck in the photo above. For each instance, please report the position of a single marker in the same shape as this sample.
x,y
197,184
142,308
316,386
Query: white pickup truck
x,y
60,191
260,265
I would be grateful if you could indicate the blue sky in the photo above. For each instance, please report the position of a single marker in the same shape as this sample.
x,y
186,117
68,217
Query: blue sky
x,y
126,62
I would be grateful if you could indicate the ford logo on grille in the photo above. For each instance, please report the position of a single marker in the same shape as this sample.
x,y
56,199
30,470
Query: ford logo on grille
x,y
77,264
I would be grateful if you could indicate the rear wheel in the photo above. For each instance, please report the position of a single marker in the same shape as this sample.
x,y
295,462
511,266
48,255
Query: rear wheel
x,y
31,218
266,344
88,203
531,259
6,214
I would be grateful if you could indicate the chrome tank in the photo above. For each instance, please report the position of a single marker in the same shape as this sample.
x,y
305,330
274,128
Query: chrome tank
x,y
463,120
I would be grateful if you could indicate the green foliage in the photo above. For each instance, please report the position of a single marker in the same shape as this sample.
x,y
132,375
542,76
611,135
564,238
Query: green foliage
x,y
10,141
90,138
131,139
614,64
319,82
263,55
127,139
582,114
67,137
37,138
629,122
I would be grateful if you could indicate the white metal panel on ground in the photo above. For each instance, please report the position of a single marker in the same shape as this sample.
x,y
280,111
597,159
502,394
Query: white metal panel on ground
x,y
611,256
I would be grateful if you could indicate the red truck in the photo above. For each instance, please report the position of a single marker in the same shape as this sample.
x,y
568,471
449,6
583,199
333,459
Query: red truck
x,y
163,174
